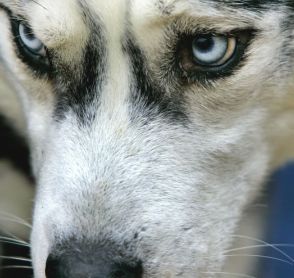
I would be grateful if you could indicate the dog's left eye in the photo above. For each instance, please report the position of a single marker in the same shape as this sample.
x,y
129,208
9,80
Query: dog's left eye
x,y
208,56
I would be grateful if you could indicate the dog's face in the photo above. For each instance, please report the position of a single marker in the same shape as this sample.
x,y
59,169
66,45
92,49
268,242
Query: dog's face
x,y
147,125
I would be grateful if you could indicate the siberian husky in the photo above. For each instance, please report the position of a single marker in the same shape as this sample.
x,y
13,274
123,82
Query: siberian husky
x,y
152,125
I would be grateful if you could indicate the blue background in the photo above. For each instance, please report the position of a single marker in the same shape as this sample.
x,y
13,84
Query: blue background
x,y
280,224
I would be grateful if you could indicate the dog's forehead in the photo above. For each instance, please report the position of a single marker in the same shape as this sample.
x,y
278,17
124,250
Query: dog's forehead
x,y
56,21
67,16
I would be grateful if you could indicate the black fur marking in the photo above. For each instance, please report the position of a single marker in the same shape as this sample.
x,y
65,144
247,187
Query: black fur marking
x,y
255,4
78,86
147,94
14,148
76,89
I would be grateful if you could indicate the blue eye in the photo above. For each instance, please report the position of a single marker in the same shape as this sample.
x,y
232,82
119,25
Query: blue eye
x,y
209,56
30,49
30,41
213,50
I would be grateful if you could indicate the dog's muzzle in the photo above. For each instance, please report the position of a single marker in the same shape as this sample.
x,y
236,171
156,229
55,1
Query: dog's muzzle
x,y
91,262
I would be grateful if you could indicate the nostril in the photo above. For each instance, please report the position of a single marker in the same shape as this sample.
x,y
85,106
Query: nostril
x,y
73,266
53,269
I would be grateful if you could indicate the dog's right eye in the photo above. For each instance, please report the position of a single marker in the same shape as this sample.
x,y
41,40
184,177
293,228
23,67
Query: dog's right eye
x,y
30,41
30,49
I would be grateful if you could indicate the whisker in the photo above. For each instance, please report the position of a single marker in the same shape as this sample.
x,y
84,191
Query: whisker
x,y
260,206
258,246
14,243
16,258
260,256
12,236
11,217
16,266
39,4
230,274
267,244
14,240
15,221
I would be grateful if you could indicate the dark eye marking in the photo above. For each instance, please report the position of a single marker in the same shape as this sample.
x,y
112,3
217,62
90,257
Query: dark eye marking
x,y
147,94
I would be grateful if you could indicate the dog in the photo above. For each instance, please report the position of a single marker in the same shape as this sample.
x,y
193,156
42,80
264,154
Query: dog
x,y
152,126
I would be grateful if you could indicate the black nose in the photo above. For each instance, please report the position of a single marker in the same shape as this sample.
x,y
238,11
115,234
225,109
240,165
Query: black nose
x,y
85,264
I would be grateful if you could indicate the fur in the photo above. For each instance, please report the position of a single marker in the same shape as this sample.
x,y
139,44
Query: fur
x,y
123,152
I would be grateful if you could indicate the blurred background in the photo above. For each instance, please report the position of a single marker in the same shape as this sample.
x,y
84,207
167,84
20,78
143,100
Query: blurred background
x,y
280,226
16,188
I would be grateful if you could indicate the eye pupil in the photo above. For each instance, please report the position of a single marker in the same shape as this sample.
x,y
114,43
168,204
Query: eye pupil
x,y
28,33
204,44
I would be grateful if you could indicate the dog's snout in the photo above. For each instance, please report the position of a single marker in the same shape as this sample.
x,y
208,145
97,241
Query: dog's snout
x,y
79,265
